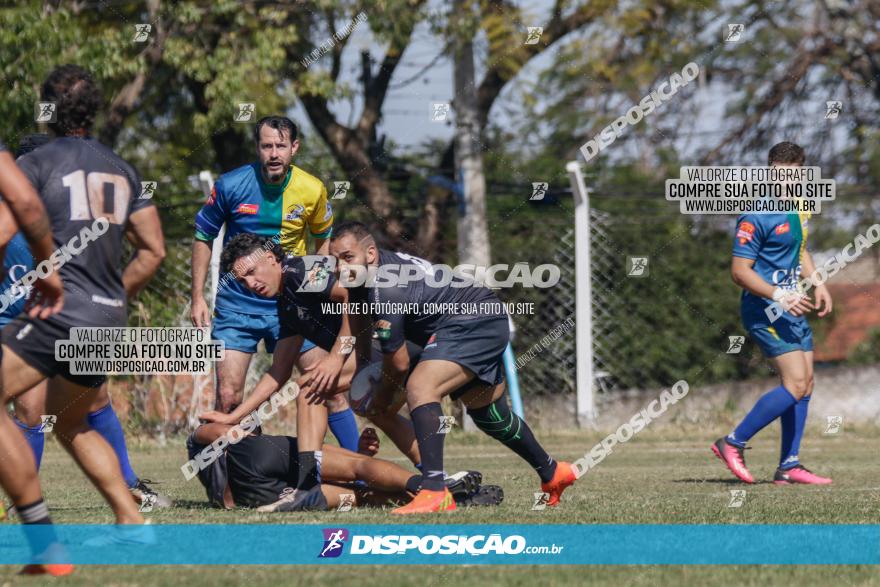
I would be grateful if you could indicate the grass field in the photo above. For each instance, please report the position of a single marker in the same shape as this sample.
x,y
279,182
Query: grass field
x,y
662,476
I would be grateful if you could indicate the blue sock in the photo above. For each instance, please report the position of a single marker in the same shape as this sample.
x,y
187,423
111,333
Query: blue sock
x,y
105,423
34,437
345,429
793,422
771,406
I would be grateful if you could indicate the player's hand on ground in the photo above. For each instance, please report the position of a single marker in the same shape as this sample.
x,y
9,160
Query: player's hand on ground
x,y
823,301
319,380
47,297
368,443
200,314
218,417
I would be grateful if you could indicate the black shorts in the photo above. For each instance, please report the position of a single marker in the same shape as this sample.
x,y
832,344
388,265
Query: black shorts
x,y
260,468
33,340
476,344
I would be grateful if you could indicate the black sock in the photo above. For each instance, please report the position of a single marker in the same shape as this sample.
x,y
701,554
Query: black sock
x,y
42,532
500,423
426,422
414,483
309,470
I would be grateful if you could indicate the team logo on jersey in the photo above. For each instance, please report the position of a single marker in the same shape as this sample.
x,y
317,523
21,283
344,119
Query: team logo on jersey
x,y
383,329
334,540
248,208
783,228
296,212
746,232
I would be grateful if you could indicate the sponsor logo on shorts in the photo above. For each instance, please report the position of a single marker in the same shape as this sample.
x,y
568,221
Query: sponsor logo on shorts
x,y
24,331
432,342
334,540
248,208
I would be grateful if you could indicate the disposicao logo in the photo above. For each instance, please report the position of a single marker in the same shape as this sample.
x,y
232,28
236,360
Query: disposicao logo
x,y
334,540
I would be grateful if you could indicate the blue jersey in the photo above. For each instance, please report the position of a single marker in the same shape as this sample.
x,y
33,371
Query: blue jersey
x,y
246,204
16,263
776,242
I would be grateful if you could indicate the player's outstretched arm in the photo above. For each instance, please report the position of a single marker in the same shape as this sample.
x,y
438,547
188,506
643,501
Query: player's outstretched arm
x,y
283,359
145,233
30,215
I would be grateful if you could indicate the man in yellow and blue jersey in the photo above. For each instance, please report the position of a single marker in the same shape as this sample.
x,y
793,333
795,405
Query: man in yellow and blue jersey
x,y
769,256
275,199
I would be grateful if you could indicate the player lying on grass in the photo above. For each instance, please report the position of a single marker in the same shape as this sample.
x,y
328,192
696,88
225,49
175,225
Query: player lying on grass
x,y
31,405
300,290
769,255
462,358
261,471
92,200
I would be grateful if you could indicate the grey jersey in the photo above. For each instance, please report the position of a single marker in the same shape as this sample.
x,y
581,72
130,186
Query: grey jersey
x,y
415,311
81,180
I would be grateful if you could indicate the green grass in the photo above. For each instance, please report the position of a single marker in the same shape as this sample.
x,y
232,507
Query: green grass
x,y
661,476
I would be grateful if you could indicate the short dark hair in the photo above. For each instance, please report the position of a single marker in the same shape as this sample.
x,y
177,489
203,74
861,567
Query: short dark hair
x,y
786,153
280,123
76,96
30,142
245,244
357,229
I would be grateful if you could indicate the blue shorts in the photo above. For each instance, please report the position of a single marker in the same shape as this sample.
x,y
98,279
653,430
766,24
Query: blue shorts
x,y
242,332
783,337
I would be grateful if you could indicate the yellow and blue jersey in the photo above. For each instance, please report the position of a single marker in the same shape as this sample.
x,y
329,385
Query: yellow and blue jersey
x,y
245,203
776,242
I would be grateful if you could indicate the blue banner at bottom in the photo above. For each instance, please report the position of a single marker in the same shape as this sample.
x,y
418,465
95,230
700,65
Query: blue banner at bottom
x,y
223,544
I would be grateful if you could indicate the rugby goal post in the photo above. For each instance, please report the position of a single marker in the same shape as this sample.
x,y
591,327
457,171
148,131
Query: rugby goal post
x,y
586,402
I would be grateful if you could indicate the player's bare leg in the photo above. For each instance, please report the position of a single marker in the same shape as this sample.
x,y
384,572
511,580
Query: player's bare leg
x,y
18,471
30,406
231,375
429,382
71,403
340,418
795,378
433,379
796,371
346,467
